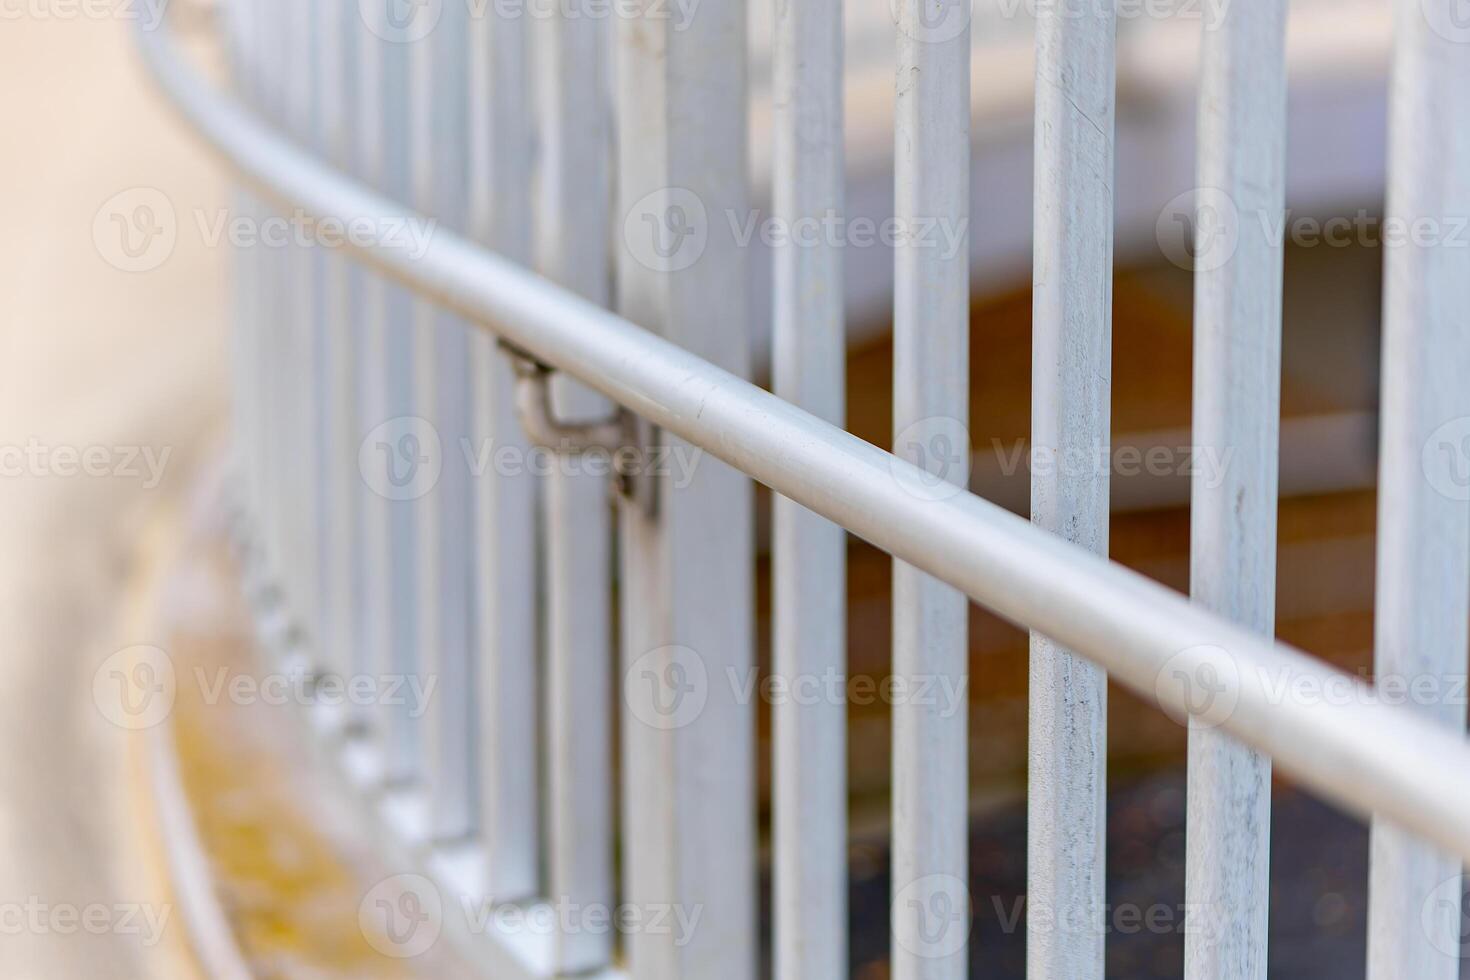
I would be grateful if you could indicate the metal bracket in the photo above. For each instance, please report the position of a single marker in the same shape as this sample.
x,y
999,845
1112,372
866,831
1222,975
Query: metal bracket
x,y
625,437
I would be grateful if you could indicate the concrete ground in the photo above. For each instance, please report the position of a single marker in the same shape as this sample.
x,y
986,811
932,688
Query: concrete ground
x,y
110,380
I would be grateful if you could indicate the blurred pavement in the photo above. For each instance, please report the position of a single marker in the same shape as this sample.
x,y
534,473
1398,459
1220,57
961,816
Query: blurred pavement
x,y
110,383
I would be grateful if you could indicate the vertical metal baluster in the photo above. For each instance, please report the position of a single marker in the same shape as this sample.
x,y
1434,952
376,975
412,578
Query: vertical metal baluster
x,y
1237,398
317,371
505,498
277,336
572,249
392,457
253,92
336,373
809,552
1415,891
930,409
303,502
439,66
368,293
240,23
687,568
1071,392
256,284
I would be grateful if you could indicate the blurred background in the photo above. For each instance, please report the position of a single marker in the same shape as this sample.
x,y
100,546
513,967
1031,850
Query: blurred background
x,y
115,292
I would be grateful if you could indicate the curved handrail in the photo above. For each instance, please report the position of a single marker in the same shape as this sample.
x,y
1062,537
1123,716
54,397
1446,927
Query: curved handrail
x,y
1371,757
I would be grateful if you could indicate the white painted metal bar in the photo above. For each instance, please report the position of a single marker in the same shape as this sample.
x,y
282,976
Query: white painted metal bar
x,y
572,229
368,623
1423,580
931,364
265,101
504,497
302,506
1366,755
392,444
336,375
688,568
1237,408
281,290
1071,401
240,22
439,148
809,559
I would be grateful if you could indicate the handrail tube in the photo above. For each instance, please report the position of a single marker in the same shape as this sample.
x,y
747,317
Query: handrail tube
x,y
1322,726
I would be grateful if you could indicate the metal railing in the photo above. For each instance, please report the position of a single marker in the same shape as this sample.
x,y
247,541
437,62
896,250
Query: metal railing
x,y
376,118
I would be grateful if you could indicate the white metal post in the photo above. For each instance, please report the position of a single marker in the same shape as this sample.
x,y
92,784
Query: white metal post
x,y
275,305
243,18
275,295
1071,396
392,442
1415,891
1237,399
302,504
370,623
809,552
572,228
440,146
336,374
687,568
931,324
504,497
